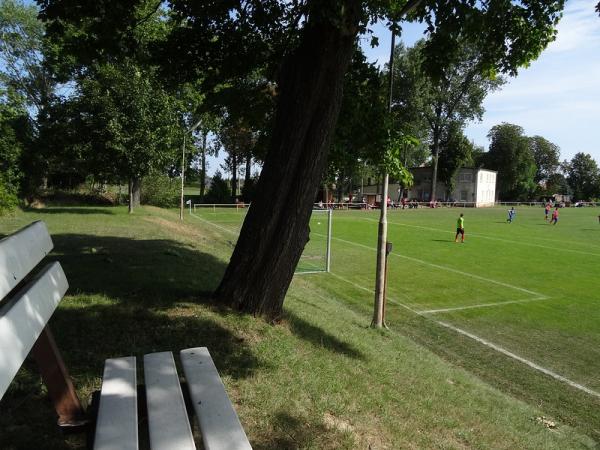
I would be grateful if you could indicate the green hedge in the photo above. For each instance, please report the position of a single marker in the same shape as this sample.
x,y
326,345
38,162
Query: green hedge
x,y
160,190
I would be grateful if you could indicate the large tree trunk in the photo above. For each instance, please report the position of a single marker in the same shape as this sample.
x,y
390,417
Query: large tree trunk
x,y
203,166
234,183
135,189
436,157
276,230
247,173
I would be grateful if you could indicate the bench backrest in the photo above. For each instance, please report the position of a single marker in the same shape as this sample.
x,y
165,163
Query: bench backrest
x,y
20,253
24,314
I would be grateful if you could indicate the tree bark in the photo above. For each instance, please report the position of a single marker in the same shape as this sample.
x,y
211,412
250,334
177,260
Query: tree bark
x,y
135,188
276,229
436,154
234,183
203,166
379,303
247,173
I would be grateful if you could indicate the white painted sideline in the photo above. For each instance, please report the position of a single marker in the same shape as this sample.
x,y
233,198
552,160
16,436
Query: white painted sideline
x,y
529,244
449,269
521,359
215,225
484,305
486,343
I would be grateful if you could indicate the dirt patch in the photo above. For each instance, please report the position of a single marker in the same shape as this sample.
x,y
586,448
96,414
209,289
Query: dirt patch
x,y
37,204
180,229
335,423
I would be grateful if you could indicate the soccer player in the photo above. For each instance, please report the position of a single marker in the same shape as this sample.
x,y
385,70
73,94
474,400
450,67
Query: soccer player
x,y
460,229
511,215
547,209
554,219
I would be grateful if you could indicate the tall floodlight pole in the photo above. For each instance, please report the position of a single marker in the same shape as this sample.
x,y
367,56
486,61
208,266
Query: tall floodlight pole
x,y
380,278
189,130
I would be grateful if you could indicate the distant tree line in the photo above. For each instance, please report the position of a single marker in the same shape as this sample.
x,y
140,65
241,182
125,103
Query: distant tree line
x,y
530,168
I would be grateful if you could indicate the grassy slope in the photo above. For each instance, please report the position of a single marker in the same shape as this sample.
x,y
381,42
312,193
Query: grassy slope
x,y
320,379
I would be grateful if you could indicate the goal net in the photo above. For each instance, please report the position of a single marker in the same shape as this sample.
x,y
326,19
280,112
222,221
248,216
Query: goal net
x,y
317,252
230,217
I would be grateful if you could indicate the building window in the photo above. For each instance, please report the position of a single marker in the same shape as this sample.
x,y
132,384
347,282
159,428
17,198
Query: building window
x,y
463,196
465,178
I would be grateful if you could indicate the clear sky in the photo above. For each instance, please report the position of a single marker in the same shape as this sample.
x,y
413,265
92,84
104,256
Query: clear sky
x,y
557,96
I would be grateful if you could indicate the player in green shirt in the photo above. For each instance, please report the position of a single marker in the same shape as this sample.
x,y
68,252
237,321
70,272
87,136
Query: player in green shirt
x,y
460,229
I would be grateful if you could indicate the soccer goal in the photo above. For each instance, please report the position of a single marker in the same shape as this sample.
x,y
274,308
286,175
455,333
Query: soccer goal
x,y
229,219
316,257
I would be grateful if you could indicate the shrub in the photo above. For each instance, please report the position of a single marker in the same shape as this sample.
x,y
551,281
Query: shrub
x,y
8,199
219,191
160,190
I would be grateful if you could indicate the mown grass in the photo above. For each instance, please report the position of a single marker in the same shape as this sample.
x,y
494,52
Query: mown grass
x,y
319,379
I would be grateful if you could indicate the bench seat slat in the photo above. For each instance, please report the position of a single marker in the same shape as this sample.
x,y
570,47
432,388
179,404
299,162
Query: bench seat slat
x,y
220,426
167,416
20,252
24,316
116,426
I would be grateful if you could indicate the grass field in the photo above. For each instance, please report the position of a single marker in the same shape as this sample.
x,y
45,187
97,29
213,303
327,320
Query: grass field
x,y
526,294
473,327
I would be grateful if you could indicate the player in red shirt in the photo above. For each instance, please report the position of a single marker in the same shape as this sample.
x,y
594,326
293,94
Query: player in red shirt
x,y
554,219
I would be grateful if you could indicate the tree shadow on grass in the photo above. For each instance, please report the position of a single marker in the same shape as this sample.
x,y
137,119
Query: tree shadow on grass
x,y
150,273
132,297
60,210
294,432
89,334
320,338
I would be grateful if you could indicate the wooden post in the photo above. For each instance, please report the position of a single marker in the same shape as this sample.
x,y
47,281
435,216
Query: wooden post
x,y
57,380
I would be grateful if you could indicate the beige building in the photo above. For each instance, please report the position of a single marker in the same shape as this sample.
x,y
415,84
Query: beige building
x,y
473,186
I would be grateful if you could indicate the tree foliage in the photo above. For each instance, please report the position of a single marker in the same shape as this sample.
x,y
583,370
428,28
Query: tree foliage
x,y
219,191
127,123
546,156
456,152
22,48
583,177
557,183
362,129
511,156
442,97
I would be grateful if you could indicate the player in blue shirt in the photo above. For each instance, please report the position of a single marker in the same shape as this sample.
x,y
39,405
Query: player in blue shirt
x,y
511,215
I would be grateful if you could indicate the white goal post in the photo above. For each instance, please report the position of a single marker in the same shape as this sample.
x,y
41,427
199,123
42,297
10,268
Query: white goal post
x,y
316,257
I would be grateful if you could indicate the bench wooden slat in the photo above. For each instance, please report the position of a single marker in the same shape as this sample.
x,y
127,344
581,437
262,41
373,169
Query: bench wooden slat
x,y
220,426
167,416
24,316
116,427
21,252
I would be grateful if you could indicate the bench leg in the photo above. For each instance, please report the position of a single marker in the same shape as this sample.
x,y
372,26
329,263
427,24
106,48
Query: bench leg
x,y
57,380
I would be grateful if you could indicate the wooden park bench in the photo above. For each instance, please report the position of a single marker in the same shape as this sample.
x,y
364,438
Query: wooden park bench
x,y
26,304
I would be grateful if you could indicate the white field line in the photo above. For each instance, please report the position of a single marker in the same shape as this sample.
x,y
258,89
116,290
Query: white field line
x,y
448,269
529,244
521,359
489,344
483,305
227,230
